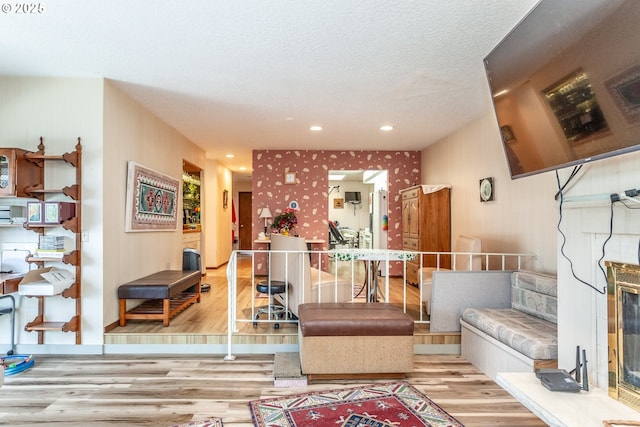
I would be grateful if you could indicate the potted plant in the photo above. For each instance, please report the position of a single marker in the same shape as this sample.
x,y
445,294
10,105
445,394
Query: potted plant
x,y
285,222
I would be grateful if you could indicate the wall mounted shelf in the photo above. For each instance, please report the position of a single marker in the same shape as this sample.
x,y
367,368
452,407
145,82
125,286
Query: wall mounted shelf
x,y
38,190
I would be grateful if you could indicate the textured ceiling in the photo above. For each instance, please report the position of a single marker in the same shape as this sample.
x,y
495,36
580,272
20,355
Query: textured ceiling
x,y
233,76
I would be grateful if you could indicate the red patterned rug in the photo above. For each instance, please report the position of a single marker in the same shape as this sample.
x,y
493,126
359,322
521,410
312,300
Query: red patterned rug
x,y
372,405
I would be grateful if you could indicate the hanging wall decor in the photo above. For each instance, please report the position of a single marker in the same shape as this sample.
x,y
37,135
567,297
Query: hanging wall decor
x,y
486,189
152,200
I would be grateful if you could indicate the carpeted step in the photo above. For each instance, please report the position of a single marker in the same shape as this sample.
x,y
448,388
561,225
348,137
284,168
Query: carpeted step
x,y
287,365
287,371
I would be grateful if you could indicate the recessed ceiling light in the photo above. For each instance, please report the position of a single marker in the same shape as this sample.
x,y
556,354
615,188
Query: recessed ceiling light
x,y
502,92
229,156
336,177
315,128
386,128
243,168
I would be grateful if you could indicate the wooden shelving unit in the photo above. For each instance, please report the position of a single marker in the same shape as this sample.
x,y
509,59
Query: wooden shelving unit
x,y
39,191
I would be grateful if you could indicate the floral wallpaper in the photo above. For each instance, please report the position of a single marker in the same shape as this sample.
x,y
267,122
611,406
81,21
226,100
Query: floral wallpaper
x,y
311,186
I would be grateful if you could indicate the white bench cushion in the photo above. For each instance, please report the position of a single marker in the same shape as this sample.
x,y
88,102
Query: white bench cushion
x,y
534,337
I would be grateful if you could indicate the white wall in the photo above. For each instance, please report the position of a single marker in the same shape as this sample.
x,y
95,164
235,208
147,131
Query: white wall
x,y
217,233
114,129
524,217
523,214
133,133
352,216
61,110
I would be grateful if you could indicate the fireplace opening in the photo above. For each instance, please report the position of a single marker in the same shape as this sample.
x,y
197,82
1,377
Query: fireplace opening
x,y
630,338
624,332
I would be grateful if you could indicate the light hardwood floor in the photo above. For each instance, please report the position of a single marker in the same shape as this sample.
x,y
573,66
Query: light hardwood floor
x,y
210,316
162,391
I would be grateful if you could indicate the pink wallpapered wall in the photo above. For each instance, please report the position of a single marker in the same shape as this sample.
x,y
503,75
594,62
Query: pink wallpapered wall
x,y
312,185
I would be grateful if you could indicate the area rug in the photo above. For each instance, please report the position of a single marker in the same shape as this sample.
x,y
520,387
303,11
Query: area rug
x,y
213,422
371,405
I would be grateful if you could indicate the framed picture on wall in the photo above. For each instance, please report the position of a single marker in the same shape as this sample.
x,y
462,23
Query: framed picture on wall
x,y
290,178
338,203
152,200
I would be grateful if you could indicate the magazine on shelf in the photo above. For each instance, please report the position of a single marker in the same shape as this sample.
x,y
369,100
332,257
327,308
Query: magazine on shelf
x,y
46,281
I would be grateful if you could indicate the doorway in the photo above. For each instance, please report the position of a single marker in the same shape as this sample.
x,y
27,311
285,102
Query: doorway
x,y
245,220
358,206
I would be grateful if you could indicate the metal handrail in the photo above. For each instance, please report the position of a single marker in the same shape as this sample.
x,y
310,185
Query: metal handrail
x,y
322,258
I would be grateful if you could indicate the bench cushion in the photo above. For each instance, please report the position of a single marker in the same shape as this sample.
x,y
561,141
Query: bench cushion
x,y
534,337
161,285
353,319
535,294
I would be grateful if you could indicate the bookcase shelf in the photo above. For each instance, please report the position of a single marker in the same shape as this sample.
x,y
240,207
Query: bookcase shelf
x,y
38,190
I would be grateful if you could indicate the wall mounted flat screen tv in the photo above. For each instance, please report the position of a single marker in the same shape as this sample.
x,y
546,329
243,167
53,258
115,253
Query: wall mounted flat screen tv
x,y
565,84
352,197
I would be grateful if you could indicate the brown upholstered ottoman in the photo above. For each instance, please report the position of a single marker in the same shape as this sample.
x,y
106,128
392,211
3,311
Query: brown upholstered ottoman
x,y
354,338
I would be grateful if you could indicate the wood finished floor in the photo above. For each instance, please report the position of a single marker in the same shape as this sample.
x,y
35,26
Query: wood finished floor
x,y
210,315
162,391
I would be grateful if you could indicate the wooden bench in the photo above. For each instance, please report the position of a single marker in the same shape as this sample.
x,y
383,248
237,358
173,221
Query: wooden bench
x,y
164,295
345,339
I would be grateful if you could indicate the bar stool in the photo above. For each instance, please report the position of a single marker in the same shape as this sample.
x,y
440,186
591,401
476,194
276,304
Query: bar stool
x,y
274,311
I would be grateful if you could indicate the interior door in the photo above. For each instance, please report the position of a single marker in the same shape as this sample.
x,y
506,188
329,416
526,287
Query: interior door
x,y
244,220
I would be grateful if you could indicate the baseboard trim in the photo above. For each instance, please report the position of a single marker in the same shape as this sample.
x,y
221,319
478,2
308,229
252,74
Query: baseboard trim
x,y
212,349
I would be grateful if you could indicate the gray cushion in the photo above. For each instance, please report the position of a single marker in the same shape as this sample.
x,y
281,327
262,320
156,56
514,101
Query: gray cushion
x,y
534,337
535,294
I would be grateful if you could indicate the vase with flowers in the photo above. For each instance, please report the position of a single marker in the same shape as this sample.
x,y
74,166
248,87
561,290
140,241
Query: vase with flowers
x,y
285,222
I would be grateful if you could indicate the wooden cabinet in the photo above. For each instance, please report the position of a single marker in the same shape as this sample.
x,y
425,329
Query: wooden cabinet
x,y
410,219
17,172
191,240
426,226
72,193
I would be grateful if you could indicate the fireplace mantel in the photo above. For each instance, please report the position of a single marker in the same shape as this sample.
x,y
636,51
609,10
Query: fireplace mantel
x,y
584,409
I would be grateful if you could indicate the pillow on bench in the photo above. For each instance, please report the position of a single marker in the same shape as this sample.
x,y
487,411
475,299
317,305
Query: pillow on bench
x,y
535,294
